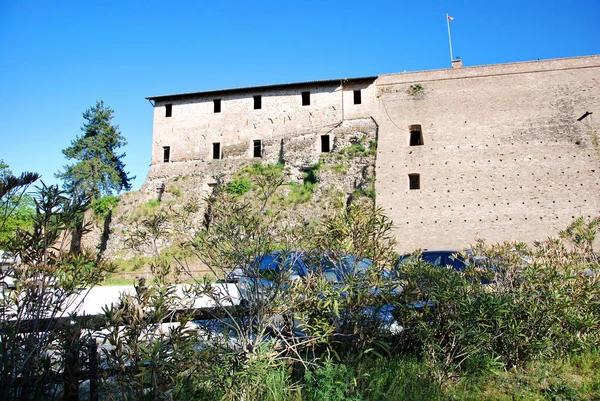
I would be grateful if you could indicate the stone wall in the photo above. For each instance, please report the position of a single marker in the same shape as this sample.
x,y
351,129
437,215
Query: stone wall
x,y
504,155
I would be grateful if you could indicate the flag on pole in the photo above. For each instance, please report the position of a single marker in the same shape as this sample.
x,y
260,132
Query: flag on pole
x,y
448,19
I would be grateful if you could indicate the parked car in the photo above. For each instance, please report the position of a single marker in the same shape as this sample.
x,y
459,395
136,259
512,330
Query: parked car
x,y
441,258
257,282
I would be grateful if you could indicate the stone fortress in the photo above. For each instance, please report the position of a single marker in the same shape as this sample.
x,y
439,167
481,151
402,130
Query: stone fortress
x,y
500,152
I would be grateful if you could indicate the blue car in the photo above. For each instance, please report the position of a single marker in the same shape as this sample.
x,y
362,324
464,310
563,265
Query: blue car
x,y
269,273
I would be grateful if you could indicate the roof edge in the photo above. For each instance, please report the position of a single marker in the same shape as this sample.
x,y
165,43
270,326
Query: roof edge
x,y
259,88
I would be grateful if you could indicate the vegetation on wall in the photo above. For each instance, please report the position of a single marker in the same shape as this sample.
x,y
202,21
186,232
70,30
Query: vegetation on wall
x,y
103,206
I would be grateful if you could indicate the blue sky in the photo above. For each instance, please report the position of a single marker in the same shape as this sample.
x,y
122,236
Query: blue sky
x,y
57,58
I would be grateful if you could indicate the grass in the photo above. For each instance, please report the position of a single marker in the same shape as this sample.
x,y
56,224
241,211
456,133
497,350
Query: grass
x,y
573,378
114,281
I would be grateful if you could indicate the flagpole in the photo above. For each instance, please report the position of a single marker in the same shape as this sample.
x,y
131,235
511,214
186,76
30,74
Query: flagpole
x,y
449,37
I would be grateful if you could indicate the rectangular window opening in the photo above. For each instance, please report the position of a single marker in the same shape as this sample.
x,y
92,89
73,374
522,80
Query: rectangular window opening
x,y
416,135
357,97
257,102
168,110
217,103
325,144
166,154
305,98
414,181
257,148
216,150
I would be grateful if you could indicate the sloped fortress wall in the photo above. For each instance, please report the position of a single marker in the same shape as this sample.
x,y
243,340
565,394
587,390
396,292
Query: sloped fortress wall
x,y
507,152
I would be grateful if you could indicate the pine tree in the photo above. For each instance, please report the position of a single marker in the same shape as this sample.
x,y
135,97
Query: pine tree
x,y
99,169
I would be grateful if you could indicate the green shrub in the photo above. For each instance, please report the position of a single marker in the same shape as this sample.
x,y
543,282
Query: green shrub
x,y
331,382
102,206
258,169
538,304
355,150
239,186
299,193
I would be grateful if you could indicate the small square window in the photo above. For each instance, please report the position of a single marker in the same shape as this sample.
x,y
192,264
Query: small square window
x,y
325,144
414,181
216,150
217,104
357,97
257,102
257,148
166,154
416,135
305,98
168,110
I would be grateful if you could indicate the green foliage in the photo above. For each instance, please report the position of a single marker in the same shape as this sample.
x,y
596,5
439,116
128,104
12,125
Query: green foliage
x,y
239,186
299,193
98,170
416,90
535,303
340,168
21,217
148,208
259,169
16,206
361,149
332,381
310,174
396,378
103,206
175,191
49,278
355,150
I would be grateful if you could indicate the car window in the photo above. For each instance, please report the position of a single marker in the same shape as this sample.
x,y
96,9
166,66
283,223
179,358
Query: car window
x,y
456,263
435,259
331,276
270,263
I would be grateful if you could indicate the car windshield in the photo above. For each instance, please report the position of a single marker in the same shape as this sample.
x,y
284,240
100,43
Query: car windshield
x,y
335,270
270,262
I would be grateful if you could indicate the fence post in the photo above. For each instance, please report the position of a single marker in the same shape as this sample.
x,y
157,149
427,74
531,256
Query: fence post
x,y
93,369
72,338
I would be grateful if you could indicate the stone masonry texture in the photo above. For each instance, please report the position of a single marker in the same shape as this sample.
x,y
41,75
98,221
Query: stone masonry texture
x,y
509,151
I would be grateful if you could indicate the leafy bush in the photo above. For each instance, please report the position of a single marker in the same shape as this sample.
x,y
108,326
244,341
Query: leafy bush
x,y
355,150
239,186
103,206
539,303
331,382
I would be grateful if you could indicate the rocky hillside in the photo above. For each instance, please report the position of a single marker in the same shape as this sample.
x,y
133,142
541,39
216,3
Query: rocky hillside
x,y
315,184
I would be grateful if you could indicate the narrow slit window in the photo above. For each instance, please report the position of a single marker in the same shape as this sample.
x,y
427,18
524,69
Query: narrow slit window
x,y
305,98
166,154
357,97
414,181
257,148
168,110
217,104
257,102
416,135
325,144
216,150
